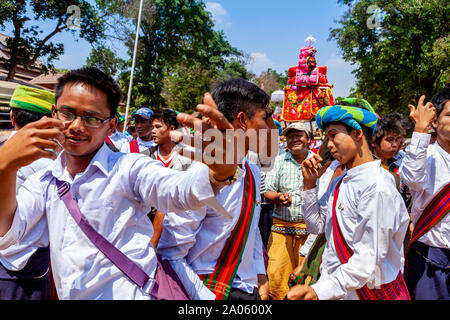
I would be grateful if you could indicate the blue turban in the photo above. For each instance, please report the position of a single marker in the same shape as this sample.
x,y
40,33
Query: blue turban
x,y
351,116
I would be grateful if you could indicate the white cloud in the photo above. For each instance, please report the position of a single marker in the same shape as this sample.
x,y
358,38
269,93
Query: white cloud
x,y
258,63
219,14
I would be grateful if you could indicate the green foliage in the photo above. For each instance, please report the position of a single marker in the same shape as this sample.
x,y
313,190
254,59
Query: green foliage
x,y
27,44
180,54
272,80
104,59
406,56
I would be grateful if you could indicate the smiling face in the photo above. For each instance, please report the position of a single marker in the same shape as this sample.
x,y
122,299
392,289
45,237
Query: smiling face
x,y
297,141
84,100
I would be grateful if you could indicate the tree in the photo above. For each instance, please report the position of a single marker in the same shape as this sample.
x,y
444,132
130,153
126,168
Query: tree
x,y
179,53
104,59
272,80
26,45
400,51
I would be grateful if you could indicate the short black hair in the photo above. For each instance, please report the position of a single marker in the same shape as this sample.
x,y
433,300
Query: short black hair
x,y
368,132
23,117
440,99
238,95
96,78
390,123
168,116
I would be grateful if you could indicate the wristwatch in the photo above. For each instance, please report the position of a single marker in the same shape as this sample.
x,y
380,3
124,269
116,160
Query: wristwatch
x,y
228,181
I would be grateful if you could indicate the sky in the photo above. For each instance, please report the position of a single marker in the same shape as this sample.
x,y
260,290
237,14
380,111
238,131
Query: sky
x,y
271,32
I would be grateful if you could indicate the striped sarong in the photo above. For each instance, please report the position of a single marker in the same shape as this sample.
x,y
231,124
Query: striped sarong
x,y
433,213
310,271
220,281
395,290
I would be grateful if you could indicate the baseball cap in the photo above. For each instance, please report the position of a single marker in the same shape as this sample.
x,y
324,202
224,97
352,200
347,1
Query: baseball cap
x,y
299,126
145,113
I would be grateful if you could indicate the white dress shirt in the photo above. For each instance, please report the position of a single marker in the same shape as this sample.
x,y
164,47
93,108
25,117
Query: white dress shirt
x,y
25,249
114,194
373,220
426,170
194,240
322,185
143,145
120,139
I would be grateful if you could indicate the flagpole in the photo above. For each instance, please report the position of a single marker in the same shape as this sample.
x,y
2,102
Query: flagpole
x,y
132,65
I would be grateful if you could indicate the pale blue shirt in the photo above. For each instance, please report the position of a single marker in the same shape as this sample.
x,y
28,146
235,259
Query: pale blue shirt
x,y
194,240
114,193
120,139
143,145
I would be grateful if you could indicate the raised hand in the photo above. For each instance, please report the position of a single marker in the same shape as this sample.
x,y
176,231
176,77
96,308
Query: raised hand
x,y
33,141
218,145
423,115
312,170
26,146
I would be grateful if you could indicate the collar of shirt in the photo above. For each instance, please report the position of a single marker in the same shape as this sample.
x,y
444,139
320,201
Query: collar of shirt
x,y
100,161
147,144
289,157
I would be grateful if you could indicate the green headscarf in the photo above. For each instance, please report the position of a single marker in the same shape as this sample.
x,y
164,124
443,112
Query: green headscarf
x,y
32,99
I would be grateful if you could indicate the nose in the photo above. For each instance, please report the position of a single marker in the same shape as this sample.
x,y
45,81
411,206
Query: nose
x,y
77,124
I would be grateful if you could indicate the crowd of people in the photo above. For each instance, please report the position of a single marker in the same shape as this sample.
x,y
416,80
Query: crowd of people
x,y
92,211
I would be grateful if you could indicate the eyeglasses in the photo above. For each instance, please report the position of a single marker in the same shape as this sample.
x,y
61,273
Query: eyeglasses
x,y
70,116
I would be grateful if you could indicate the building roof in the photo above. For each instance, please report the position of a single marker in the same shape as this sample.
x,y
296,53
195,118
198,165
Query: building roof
x,y
5,54
50,78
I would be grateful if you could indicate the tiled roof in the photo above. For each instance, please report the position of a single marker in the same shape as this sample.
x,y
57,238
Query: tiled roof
x,y
49,78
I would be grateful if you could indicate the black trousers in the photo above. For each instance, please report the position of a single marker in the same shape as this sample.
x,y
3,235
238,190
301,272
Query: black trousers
x,y
428,274
25,289
236,294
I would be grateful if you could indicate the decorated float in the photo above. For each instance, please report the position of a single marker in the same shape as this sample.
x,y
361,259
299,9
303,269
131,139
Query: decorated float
x,y
308,89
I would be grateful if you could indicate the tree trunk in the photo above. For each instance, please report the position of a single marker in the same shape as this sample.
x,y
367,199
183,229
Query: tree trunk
x,y
11,73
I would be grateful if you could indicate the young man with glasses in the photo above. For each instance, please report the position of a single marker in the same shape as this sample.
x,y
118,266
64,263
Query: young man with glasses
x,y
113,191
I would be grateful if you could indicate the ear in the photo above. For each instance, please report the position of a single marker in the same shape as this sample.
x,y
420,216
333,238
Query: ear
x,y
13,122
308,138
357,135
53,111
241,121
434,122
112,126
